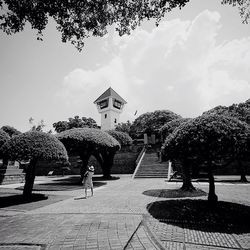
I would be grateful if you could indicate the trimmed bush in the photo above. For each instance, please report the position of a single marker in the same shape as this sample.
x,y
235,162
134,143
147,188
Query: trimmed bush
x,y
34,146
123,138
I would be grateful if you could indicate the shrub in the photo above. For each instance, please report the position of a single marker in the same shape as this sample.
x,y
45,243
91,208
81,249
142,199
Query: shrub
x,y
123,138
4,137
11,131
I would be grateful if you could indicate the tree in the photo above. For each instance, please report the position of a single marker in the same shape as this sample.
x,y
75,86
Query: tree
x,y
77,20
33,146
75,122
90,141
11,131
151,122
169,127
210,140
124,127
123,138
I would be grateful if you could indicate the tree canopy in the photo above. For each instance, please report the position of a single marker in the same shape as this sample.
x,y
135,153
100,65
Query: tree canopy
x,y
169,127
151,122
240,111
11,131
123,138
4,137
75,122
78,20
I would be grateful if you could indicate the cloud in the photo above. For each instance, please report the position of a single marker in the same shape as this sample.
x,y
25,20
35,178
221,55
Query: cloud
x,y
178,66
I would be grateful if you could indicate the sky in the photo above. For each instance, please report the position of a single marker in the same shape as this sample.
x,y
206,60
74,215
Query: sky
x,y
197,58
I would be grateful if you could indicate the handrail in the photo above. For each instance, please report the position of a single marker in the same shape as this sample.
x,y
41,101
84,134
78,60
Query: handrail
x,y
139,160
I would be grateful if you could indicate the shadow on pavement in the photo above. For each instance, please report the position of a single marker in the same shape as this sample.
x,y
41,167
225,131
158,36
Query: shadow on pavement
x,y
67,184
174,193
10,200
195,214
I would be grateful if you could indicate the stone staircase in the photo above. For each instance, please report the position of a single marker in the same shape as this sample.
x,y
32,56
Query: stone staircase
x,y
12,174
151,167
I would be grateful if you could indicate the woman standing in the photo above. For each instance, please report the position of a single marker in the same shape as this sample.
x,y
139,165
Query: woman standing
x,y
87,180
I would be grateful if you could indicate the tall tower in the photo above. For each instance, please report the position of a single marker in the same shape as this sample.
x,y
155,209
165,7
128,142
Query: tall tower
x,y
109,105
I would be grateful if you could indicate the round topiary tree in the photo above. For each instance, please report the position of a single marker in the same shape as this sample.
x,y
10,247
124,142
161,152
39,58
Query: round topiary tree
x,y
208,139
90,141
151,122
169,127
123,138
34,146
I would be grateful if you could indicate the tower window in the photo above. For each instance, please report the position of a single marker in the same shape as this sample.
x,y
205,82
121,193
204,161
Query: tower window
x,y
103,104
117,104
105,116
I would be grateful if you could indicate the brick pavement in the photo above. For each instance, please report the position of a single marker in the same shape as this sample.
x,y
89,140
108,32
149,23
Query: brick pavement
x,y
112,219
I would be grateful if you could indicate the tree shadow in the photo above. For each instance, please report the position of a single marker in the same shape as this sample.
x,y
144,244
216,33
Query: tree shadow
x,y
67,184
224,217
12,200
174,193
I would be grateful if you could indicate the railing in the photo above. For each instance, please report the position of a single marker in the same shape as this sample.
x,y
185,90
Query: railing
x,y
139,160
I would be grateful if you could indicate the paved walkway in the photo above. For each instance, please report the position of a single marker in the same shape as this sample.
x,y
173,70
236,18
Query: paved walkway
x,y
115,218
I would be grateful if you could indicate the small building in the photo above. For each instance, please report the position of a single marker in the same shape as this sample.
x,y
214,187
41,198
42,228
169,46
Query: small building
x,y
110,105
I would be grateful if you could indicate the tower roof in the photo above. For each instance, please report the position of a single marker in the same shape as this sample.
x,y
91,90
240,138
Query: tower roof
x,y
110,93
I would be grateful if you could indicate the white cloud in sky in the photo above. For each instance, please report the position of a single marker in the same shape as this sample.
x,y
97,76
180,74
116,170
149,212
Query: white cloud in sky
x,y
178,66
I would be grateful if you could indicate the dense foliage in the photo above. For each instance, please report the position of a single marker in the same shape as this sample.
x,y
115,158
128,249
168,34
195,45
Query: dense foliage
x,y
123,138
75,122
208,138
4,137
77,20
240,111
151,122
11,131
169,127
124,127
88,138
34,145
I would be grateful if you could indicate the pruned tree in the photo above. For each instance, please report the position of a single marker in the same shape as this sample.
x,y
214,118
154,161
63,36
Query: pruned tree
x,y
151,122
11,131
75,122
33,146
123,138
78,20
89,141
210,140
124,127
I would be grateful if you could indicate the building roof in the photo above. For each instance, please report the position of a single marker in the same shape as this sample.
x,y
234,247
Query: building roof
x,y
110,93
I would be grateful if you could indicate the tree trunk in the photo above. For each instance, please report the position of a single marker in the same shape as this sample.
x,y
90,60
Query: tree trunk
x,y
187,184
212,197
108,158
242,172
85,159
29,178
